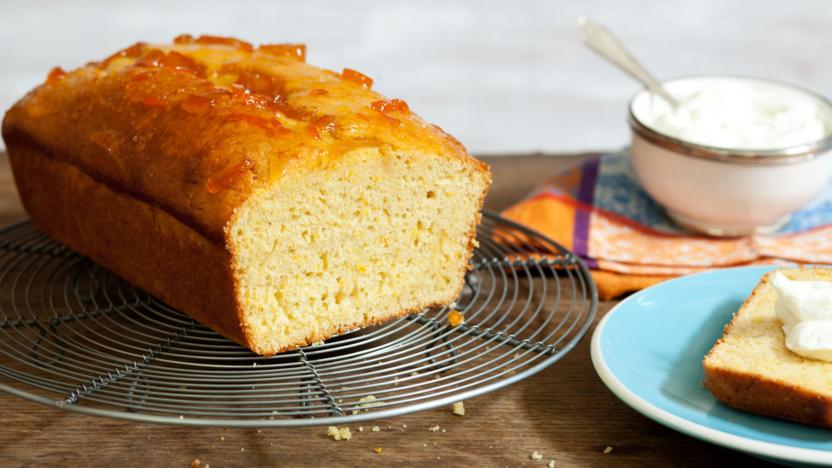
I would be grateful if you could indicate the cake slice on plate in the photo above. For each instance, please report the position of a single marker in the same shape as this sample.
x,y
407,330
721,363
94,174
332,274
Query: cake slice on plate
x,y
751,368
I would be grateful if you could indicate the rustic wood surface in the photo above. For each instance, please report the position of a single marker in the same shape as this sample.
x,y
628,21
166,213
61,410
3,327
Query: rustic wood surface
x,y
565,412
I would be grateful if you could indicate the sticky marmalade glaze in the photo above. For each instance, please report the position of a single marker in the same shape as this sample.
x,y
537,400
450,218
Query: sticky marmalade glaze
x,y
198,126
213,82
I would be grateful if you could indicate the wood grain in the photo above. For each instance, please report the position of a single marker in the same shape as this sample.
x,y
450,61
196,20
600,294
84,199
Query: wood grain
x,y
565,412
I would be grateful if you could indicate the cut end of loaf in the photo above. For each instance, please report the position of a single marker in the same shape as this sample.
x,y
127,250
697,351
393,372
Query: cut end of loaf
x,y
359,240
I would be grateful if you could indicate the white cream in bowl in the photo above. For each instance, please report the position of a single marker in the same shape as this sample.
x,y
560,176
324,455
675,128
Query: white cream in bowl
x,y
736,113
737,156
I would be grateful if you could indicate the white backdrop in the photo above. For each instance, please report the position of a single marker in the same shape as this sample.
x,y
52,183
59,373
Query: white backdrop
x,y
504,77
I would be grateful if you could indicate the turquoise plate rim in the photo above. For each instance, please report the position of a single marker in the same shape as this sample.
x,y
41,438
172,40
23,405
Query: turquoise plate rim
x,y
645,405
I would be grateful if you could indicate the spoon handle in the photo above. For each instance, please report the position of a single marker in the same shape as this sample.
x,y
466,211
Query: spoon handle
x,y
599,39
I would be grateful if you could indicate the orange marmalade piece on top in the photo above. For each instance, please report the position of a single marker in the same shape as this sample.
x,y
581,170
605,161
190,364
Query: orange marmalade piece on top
x,y
54,75
173,60
390,105
357,77
324,123
297,51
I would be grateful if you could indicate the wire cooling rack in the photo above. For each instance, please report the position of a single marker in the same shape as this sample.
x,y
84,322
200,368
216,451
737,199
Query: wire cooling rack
x,y
77,337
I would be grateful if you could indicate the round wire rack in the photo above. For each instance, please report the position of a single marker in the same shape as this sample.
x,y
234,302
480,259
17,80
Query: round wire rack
x,y
76,337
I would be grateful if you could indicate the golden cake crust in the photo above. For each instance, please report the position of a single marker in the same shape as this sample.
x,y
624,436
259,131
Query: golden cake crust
x,y
759,394
165,256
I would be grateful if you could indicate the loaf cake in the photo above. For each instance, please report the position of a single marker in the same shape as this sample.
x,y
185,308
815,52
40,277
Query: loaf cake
x,y
751,369
273,201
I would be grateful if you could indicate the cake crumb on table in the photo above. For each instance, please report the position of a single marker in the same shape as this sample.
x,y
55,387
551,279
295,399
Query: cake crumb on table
x,y
377,450
459,409
339,433
536,455
608,450
375,429
434,428
196,463
551,464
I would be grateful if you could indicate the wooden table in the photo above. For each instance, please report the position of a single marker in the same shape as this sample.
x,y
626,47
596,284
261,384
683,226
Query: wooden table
x,y
565,412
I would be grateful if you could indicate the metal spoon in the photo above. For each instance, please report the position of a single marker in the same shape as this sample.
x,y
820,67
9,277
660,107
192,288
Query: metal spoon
x,y
599,39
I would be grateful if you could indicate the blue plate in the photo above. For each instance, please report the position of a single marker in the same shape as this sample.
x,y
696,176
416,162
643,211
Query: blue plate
x,y
648,350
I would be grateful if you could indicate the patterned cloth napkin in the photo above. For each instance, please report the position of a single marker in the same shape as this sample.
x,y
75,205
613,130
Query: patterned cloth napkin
x,y
600,212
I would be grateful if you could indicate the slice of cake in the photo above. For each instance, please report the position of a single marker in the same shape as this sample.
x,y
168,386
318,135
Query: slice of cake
x,y
273,201
750,368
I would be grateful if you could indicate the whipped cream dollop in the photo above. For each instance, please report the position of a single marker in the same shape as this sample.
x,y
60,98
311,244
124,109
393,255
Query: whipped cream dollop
x,y
805,308
741,114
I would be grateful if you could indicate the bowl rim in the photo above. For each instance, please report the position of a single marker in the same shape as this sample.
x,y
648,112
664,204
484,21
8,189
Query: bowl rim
x,y
767,157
